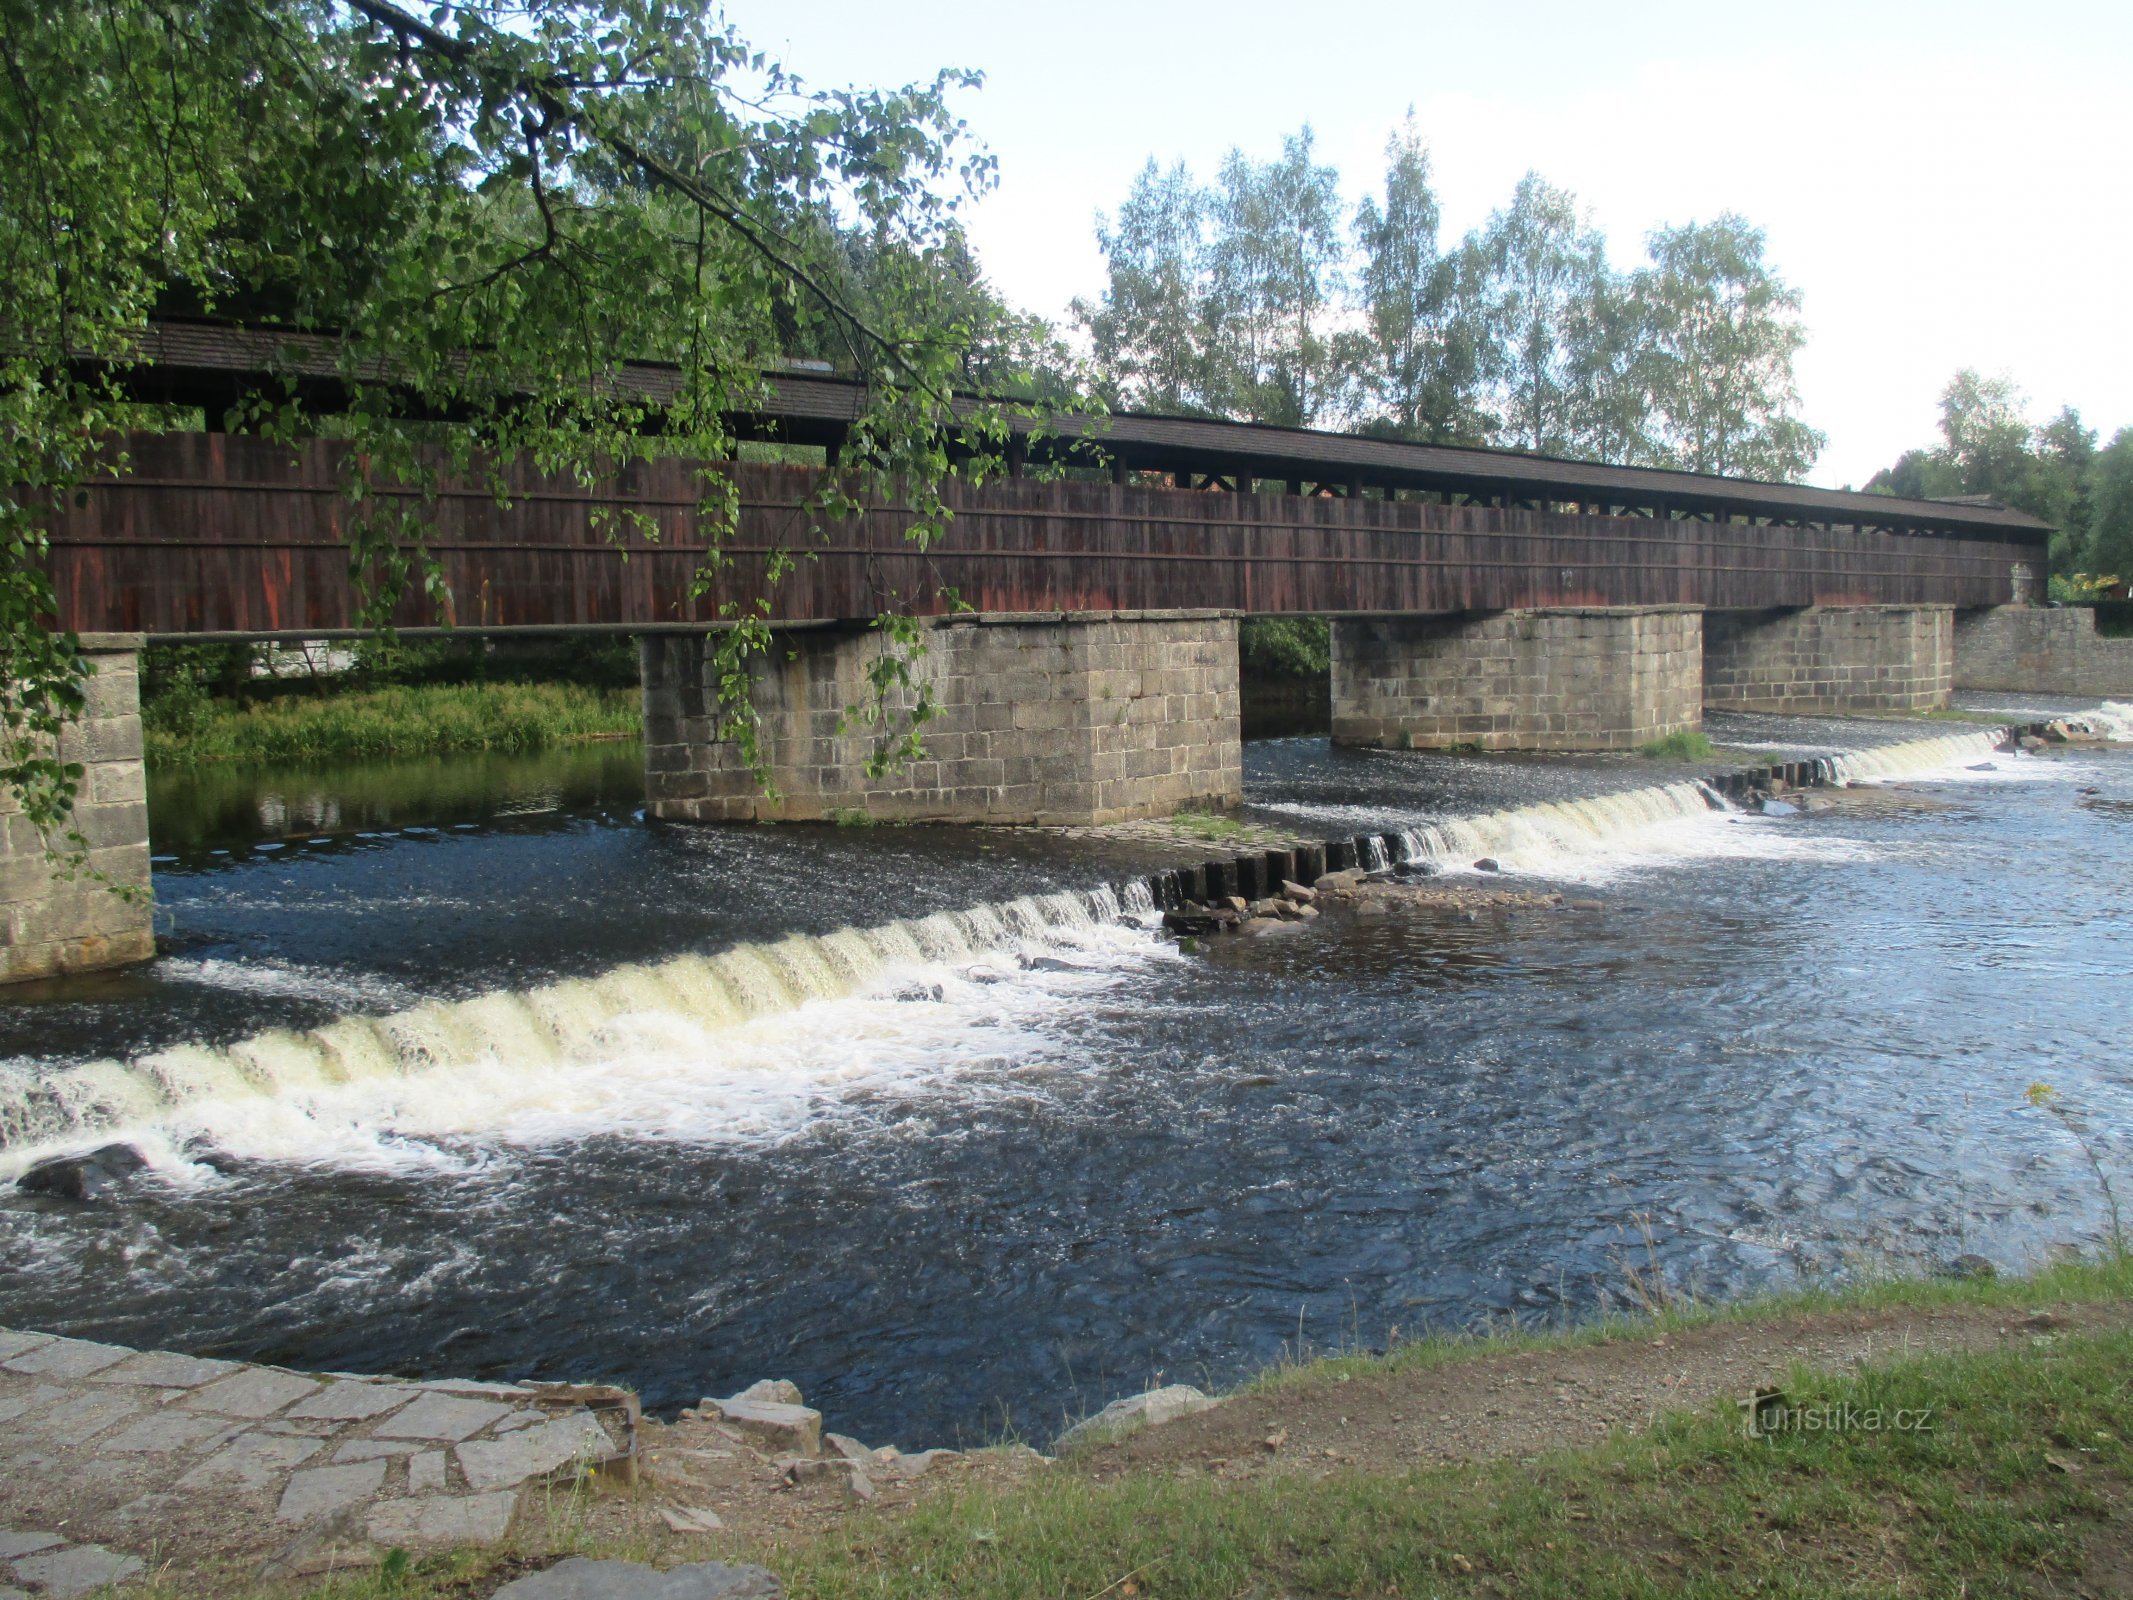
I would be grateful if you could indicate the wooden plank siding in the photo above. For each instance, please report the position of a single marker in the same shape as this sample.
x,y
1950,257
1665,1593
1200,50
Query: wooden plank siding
x,y
228,533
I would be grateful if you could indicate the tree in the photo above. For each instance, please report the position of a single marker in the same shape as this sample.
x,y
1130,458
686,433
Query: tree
x,y
2055,472
1721,330
1985,435
1537,262
1417,364
488,205
1274,271
1147,333
2110,528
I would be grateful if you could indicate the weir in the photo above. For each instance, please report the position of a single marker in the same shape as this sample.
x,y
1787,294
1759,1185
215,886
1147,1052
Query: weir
x,y
423,1071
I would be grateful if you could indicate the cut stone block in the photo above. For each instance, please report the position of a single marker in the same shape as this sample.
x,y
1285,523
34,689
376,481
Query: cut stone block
x,y
63,1574
66,1358
437,1519
160,1369
795,1430
352,1402
250,1392
532,1452
321,1491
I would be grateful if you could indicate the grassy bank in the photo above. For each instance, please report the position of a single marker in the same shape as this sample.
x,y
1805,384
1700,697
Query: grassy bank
x,y
2022,1484
399,720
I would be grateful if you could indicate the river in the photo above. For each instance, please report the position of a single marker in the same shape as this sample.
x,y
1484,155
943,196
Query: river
x,y
934,1124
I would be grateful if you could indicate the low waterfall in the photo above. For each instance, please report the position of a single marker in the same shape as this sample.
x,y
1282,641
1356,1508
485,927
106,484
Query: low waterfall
x,y
1918,755
557,1026
1555,829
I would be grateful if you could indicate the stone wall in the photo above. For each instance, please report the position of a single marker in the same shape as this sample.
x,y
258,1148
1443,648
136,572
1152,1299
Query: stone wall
x,y
2045,650
1060,719
50,924
1593,678
1829,659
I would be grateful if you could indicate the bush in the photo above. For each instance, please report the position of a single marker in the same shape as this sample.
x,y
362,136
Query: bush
x,y
411,720
1285,647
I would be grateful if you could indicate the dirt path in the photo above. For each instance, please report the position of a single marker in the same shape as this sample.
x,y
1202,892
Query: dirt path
x,y
1494,1407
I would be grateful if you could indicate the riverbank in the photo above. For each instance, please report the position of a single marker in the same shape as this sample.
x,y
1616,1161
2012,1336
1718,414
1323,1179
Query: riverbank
x,y
1916,1435
397,721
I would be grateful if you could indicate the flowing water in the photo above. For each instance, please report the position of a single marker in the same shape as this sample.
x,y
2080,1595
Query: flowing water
x,y
935,1123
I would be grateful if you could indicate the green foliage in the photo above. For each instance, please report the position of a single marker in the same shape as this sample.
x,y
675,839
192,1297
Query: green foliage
x,y
1285,647
1417,369
2054,471
188,729
489,206
1719,331
1243,299
1683,744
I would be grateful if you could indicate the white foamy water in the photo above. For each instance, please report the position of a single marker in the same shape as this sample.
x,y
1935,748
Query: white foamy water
x,y
747,1045
1599,837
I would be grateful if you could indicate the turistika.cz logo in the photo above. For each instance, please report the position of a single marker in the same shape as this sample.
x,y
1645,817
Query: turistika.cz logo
x,y
1768,1413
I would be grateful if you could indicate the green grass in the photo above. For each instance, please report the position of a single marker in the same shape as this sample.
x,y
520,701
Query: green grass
x,y
1684,744
1208,825
429,719
1692,1507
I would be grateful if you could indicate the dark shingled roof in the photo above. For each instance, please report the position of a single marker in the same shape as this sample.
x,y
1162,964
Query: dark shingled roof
x,y
210,364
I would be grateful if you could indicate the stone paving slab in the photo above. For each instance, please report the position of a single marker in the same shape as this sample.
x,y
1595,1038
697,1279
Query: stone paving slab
x,y
445,1418
115,1455
531,1452
34,1398
435,1521
351,1400
162,1370
63,1574
66,1358
251,1392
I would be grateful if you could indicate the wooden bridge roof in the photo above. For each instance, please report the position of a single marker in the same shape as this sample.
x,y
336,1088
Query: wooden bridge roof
x,y
211,364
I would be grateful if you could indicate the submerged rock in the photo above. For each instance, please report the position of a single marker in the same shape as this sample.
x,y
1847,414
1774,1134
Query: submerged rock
x,y
1488,864
82,1177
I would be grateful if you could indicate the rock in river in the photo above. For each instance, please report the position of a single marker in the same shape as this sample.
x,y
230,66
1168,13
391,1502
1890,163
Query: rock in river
x,y
82,1177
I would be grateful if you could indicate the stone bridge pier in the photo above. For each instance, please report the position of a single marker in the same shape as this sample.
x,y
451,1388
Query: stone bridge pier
x,y
1562,678
1829,659
52,922
1059,718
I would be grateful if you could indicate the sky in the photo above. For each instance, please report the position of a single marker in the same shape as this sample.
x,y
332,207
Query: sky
x,y
1947,184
